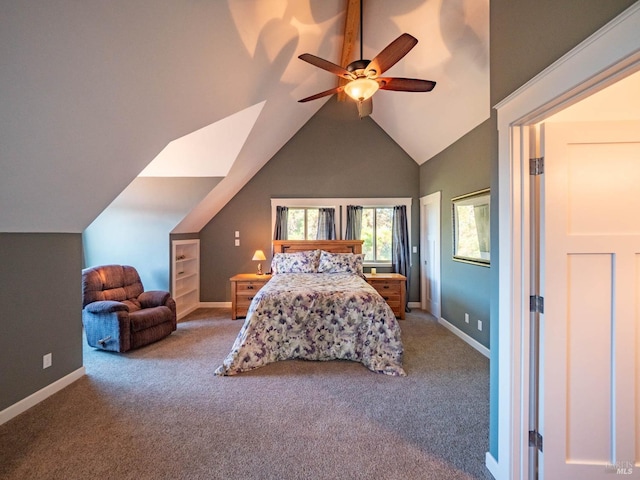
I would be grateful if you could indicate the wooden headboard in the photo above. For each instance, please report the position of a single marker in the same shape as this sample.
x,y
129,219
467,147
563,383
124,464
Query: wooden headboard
x,y
334,246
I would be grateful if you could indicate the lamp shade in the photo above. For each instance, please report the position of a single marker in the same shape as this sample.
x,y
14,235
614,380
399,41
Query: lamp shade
x,y
259,255
361,89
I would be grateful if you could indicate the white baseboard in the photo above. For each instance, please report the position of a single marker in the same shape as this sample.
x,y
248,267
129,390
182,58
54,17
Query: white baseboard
x,y
456,331
35,398
215,304
492,466
414,305
183,314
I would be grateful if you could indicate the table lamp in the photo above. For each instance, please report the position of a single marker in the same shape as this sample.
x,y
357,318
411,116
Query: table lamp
x,y
259,256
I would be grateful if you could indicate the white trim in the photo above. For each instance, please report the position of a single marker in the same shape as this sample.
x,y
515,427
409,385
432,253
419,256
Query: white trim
x,y
42,394
186,312
608,55
492,465
415,305
468,339
215,304
435,199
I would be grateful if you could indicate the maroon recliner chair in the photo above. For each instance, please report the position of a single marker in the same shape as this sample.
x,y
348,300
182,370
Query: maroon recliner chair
x,y
117,313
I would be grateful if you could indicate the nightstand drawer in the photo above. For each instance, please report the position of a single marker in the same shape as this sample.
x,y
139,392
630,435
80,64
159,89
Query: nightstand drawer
x,y
395,306
243,301
391,298
386,287
248,288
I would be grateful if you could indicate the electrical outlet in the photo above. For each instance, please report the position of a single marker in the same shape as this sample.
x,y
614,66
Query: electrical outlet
x,y
46,361
237,242
237,234
480,325
466,318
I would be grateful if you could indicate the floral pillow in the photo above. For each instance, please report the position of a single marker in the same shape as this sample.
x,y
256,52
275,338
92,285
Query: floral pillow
x,y
340,262
298,262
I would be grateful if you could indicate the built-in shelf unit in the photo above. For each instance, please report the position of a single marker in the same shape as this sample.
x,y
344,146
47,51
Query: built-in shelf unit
x,y
185,277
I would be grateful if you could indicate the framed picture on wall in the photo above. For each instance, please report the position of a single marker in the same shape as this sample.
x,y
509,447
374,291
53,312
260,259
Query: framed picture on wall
x,y
471,228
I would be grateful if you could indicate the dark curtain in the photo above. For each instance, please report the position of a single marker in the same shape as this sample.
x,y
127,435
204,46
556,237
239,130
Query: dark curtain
x,y
354,222
400,246
280,230
326,224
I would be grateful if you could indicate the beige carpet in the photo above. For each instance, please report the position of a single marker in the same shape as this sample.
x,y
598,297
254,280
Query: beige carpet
x,y
160,413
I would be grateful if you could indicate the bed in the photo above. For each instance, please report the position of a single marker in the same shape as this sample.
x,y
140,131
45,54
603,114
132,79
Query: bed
x,y
317,306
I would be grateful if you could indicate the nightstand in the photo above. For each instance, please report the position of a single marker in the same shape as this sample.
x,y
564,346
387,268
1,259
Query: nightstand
x,y
393,288
244,287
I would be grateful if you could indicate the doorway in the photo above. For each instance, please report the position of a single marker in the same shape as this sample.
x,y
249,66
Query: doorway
x,y
430,254
575,77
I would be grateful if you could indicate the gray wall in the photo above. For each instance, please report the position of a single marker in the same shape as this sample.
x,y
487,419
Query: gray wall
x,y
334,155
466,288
526,37
40,308
134,229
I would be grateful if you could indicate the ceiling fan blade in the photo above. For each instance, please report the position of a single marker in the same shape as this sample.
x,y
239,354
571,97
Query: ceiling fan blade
x,y
323,94
327,65
365,108
405,84
393,52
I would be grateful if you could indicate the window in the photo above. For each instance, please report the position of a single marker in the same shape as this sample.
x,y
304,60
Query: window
x,y
376,222
471,237
302,223
377,233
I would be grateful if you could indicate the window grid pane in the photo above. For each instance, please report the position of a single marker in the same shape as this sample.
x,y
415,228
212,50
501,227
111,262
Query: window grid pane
x,y
312,223
367,234
295,224
384,232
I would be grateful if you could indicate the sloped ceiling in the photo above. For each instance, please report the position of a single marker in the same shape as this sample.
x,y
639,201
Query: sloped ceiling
x,y
208,152
91,92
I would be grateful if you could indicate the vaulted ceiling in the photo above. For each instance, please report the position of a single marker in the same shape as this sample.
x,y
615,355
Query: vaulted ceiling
x,y
92,93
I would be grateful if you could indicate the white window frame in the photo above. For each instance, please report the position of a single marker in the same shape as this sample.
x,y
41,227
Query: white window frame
x,y
372,207
340,204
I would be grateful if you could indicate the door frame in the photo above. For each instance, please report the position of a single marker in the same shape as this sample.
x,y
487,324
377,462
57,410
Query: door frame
x,y
435,200
575,76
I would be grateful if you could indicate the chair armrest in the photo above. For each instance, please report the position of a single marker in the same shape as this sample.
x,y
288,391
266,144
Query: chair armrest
x,y
153,298
106,306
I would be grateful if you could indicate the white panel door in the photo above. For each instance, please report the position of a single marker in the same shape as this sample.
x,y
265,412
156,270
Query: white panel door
x,y
590,350
430,254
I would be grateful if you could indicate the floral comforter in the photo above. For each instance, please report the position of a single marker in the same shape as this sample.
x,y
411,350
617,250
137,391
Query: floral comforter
x,y
316,316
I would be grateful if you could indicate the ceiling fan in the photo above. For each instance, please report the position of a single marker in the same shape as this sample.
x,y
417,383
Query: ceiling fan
x,y
363,76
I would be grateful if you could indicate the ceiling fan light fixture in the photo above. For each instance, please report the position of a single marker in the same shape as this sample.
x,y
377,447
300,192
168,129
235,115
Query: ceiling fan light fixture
x,y
361,89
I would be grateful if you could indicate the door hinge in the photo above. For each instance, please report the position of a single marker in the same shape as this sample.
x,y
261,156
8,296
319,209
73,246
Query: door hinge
x,y
535,439
536,304
536,166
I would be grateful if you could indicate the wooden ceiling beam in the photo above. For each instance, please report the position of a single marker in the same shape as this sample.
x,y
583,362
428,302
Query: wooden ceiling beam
x,y
351,30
